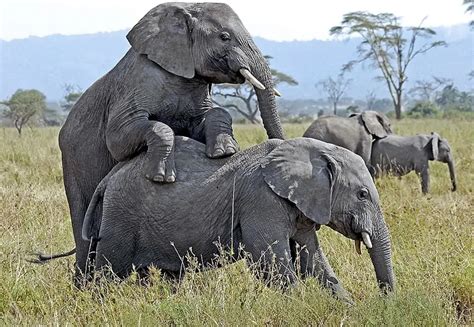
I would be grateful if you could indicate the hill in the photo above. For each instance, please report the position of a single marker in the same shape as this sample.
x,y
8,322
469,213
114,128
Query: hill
x,y
47,63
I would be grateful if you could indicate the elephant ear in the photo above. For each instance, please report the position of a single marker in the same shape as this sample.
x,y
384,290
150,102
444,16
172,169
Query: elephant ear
x,y
164,35
434,145
376,124
297,170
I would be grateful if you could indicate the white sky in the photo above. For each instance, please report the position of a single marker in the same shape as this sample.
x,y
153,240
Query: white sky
x,y
275,20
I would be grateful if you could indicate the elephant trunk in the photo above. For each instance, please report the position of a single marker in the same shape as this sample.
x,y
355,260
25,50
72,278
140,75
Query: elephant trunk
x,y
266,98
381,256
452,173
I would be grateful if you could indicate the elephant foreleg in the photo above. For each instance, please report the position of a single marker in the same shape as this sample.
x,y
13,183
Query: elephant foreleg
x,y
216,131
425,179
270,255
313,263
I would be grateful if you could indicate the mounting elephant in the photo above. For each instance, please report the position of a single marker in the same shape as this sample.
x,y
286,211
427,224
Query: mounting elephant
x,y
399,155
355,133
158,89
266,199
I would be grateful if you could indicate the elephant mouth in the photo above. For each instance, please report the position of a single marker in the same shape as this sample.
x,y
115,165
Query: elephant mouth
x,y
238,78
365,238
360,232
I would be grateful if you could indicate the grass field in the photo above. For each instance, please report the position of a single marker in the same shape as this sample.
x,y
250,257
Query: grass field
x,y
432,239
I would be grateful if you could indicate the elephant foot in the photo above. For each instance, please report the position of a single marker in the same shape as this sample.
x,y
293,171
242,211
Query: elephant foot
x,y
338,291
161,171
224,145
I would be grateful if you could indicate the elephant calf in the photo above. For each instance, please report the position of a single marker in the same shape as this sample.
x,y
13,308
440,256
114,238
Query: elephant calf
x,y
266,199
400,155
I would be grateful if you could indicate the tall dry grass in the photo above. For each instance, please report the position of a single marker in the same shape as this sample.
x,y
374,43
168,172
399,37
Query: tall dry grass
x,y
432,239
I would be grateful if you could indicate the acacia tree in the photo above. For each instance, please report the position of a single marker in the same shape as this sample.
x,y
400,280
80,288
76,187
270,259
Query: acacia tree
x,y
242,98
334,89
72,94
22,106
425,90
385,46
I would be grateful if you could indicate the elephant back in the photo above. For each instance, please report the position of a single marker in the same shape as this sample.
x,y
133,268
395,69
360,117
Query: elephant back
x,y
193,166
341,131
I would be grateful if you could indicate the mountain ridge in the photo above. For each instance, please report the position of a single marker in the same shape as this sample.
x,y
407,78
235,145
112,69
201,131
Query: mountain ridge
x,y
48,63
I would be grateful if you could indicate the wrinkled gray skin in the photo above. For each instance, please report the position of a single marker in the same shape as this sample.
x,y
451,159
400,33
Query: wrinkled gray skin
x,y
158,89
284,191
355,133
399,155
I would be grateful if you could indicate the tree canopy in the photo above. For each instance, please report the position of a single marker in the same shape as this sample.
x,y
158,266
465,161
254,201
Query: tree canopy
x,y
23,105
72,94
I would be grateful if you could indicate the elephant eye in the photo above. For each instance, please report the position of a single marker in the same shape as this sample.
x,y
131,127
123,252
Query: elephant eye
x,y
225,36
363,194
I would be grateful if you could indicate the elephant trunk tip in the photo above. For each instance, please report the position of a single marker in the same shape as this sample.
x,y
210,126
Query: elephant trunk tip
x,y
387,287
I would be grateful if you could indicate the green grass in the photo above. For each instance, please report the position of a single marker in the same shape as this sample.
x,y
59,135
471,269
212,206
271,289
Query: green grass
x,y
431,236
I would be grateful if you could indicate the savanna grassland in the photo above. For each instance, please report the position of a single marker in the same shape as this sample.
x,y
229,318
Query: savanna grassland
x,y
432,239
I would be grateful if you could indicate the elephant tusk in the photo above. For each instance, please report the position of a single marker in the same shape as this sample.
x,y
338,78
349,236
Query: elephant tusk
x,y
277,93
366,239
357,246
251,79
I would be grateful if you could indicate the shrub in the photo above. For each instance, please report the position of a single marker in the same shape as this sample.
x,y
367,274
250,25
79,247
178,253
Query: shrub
x,y
423,109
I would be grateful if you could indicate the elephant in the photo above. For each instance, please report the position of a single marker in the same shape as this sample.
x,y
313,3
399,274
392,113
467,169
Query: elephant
x,y
355,133
161,87
267,200
399,155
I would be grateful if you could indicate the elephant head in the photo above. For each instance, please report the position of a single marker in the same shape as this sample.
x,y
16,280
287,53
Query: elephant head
x,y
207,41
376,123
441,151
332,186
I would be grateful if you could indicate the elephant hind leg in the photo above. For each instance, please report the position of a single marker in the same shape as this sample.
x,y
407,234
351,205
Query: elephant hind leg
x,y
115,253
78,207
80,180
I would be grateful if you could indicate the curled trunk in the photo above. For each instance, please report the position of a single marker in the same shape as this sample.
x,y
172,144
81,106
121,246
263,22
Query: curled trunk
x,y
452,174
266,98
381,256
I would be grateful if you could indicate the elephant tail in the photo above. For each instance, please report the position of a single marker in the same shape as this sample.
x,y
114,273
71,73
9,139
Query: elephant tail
x,y
41,258
93,216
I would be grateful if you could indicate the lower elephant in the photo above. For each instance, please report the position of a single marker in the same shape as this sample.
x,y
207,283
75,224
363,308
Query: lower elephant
x,y
264,200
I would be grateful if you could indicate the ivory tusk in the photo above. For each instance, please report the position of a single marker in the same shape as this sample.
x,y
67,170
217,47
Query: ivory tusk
x,y
277,93
357,246
366,239
252,79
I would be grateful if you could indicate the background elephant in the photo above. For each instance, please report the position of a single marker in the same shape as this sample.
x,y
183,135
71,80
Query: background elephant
x,y
400,155
159,88
354,133
267,198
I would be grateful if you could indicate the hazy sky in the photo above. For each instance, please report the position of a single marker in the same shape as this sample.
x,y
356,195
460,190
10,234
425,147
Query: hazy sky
x,y
276,20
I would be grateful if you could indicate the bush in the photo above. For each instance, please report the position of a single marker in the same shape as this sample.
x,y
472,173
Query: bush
x,y
423,109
